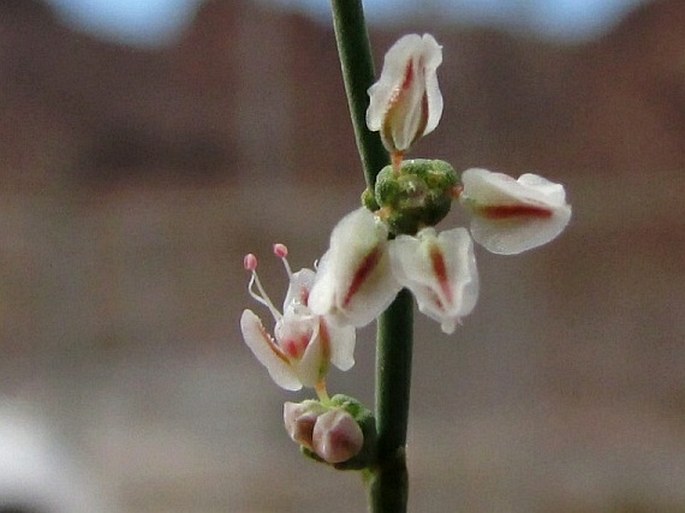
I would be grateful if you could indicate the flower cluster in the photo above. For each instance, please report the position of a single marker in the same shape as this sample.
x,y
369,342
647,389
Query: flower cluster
x,y
356,282
392,243
339,431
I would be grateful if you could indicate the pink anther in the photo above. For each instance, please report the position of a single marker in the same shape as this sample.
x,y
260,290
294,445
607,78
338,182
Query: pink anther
x,y
280,250
250,262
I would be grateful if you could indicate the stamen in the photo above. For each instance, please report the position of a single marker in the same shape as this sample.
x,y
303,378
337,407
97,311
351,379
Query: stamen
x,y
281,251
250,264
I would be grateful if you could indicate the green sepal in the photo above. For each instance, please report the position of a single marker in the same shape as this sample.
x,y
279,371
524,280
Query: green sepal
x,y
369,200
419,195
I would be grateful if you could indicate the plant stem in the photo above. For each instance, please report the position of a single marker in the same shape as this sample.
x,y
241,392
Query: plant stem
x,y
358,75
389,484
388,480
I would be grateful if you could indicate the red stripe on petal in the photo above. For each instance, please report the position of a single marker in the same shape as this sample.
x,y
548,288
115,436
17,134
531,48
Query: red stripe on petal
x,y
509,211
272,345
408,75
363,271
440,270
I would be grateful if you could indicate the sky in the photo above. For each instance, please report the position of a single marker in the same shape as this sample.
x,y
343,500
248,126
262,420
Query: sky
x,y
156,22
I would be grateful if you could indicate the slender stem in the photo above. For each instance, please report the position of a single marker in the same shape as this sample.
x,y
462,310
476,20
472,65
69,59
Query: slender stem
x,y
389,483
358,75
388,480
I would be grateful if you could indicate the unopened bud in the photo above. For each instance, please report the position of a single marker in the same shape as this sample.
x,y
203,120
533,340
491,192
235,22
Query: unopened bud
x,y
336,436
299,420
419,195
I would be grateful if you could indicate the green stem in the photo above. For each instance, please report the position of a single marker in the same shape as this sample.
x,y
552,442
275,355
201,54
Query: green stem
x,y
389,484
388,480
358,75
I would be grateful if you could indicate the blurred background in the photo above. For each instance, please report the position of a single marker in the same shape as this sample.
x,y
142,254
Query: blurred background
x,y
146,146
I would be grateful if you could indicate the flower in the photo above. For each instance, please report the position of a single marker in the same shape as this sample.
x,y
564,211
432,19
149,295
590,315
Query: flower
x,y
406,103
354,283
336,436
304,343
440,270
511,216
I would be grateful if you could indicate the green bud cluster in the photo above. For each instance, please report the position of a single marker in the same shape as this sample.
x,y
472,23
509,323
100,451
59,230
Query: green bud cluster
x,y
417,195
367,422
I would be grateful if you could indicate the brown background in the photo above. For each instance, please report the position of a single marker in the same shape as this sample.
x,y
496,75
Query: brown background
x,y
132,182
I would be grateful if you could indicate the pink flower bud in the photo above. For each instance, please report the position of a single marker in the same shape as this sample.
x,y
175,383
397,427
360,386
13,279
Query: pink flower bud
x,y
336,436
299,420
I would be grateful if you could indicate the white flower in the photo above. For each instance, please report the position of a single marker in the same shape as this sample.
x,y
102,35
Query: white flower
x,y
511,216
440,270
354,283
406,102
304,343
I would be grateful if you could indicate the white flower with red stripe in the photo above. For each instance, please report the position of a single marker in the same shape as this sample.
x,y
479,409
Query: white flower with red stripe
x,y
406,103
440,270
304,344
511,216
354,282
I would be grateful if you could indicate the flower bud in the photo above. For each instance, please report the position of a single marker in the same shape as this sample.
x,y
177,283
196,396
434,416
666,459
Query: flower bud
x,y
419,195
336,436
299,420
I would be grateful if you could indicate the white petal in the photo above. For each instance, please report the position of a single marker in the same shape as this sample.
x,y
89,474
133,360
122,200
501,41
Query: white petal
x,y
264,349
505,237
510,233
488,188
299,329
392,75
342,341
433,55
397,102
314,363
354,281
551,192
298,290
440,271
